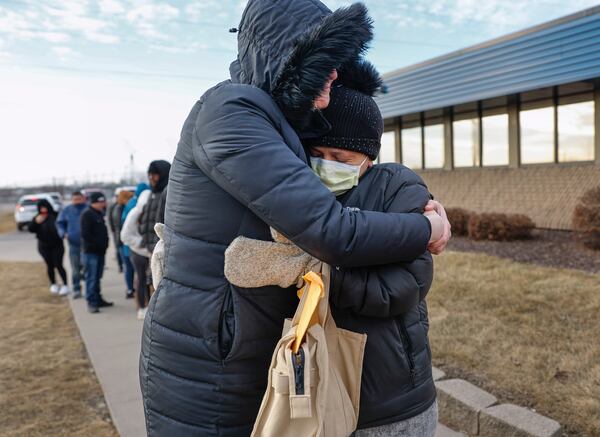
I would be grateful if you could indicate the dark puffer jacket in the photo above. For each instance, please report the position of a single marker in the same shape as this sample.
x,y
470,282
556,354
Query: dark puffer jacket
x,y
239,168
154,210
387,303
94,233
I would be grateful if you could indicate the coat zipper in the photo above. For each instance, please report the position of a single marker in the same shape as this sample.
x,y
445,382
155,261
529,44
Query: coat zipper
x,y
298,364
408,348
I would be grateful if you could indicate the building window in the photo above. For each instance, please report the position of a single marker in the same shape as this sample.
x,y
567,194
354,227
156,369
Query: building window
x,y
387,153
495,140
537,135
576,132
412,155
466,142
434,146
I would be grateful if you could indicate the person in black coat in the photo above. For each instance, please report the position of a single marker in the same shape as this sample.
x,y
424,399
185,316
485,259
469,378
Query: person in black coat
x,y
50,245
154,209
113,215
152,213
239,168
94,237
387,301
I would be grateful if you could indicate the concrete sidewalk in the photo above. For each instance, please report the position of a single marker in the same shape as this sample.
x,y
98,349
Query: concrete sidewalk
x,y
112,339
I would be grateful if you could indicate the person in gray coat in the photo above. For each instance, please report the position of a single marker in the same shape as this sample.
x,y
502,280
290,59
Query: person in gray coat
x,y
239,168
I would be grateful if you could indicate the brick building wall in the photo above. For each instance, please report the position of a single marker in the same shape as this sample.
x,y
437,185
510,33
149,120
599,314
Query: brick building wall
x,y
546,193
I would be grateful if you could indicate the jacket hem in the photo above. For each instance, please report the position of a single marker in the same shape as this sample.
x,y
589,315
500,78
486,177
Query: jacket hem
x,y
406,413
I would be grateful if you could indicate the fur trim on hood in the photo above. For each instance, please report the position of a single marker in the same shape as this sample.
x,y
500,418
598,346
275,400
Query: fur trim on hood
x,y
337,41
290,47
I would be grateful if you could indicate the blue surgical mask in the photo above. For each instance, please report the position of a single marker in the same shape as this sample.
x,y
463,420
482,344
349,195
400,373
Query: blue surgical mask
x,y
336,176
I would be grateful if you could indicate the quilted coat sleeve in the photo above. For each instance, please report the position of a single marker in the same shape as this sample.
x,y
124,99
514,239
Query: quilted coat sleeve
x,y
392,289
238,145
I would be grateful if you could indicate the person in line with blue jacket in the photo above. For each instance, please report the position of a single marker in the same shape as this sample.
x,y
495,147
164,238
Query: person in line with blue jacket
x,y
68,226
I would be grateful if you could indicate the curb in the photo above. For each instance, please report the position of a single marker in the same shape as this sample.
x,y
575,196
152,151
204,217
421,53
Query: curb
x,y
467,408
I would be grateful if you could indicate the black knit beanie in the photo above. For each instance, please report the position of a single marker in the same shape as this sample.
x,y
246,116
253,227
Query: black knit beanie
x,y
356,123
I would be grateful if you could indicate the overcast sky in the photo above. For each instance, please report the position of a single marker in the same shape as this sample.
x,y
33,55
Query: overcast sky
x,y
85,83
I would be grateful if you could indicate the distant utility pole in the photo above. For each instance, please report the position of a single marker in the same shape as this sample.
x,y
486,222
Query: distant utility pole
x,y
131,151
131,169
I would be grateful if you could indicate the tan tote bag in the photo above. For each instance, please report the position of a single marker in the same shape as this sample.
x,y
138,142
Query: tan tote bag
x,y
316,390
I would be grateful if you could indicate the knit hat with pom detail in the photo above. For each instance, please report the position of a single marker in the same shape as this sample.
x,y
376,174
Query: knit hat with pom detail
x,y
356,123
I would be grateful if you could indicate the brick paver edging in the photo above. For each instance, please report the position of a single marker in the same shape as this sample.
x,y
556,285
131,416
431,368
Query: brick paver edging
x,y
467,408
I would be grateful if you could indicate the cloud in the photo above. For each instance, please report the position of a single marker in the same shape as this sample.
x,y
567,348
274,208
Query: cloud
x,y
111,7
149,16
179,48
64,52
4,54
197,10
103,38
55,22
53,36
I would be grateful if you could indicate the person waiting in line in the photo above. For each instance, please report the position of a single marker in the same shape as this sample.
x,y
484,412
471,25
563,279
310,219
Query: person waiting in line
x,y
116,214
153,211
69,228
94,236
50,245
132,239
113,229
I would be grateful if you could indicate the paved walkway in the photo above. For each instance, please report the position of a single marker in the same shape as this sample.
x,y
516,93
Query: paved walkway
x,y
112,339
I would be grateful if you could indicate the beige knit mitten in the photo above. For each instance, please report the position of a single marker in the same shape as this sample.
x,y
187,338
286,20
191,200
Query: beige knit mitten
x,y
253,263
157,262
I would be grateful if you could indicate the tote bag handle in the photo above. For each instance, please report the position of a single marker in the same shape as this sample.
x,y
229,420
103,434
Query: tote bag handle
x,y
312,293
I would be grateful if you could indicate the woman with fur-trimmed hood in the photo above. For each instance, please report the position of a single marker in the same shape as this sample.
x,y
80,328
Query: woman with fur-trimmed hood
x,y
240,167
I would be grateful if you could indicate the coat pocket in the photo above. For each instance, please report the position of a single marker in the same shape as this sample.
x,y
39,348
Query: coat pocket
x,y
226,326
408,349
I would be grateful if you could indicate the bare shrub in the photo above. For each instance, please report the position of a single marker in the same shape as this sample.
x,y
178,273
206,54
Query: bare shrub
x,y
500,227
586,219
459,220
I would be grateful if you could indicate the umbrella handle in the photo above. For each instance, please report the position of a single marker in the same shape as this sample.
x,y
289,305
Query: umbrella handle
x,y
309,315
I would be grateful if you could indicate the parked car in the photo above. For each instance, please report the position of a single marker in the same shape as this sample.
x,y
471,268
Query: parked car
x,y
26,207
58,198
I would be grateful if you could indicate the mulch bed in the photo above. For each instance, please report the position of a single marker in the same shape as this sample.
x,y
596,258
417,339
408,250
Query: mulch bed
x,y
547,248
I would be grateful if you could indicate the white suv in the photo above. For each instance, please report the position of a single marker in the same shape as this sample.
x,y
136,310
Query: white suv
x,y
26,208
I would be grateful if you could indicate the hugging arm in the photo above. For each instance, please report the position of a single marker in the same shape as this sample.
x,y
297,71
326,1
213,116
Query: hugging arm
x,y
382,291
236,143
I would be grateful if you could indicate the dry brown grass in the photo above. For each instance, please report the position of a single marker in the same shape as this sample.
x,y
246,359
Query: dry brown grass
x,y
530,335
7,222
47,386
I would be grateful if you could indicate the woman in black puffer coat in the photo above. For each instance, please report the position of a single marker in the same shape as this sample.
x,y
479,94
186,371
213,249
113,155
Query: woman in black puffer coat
x,y
50,245
239,168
